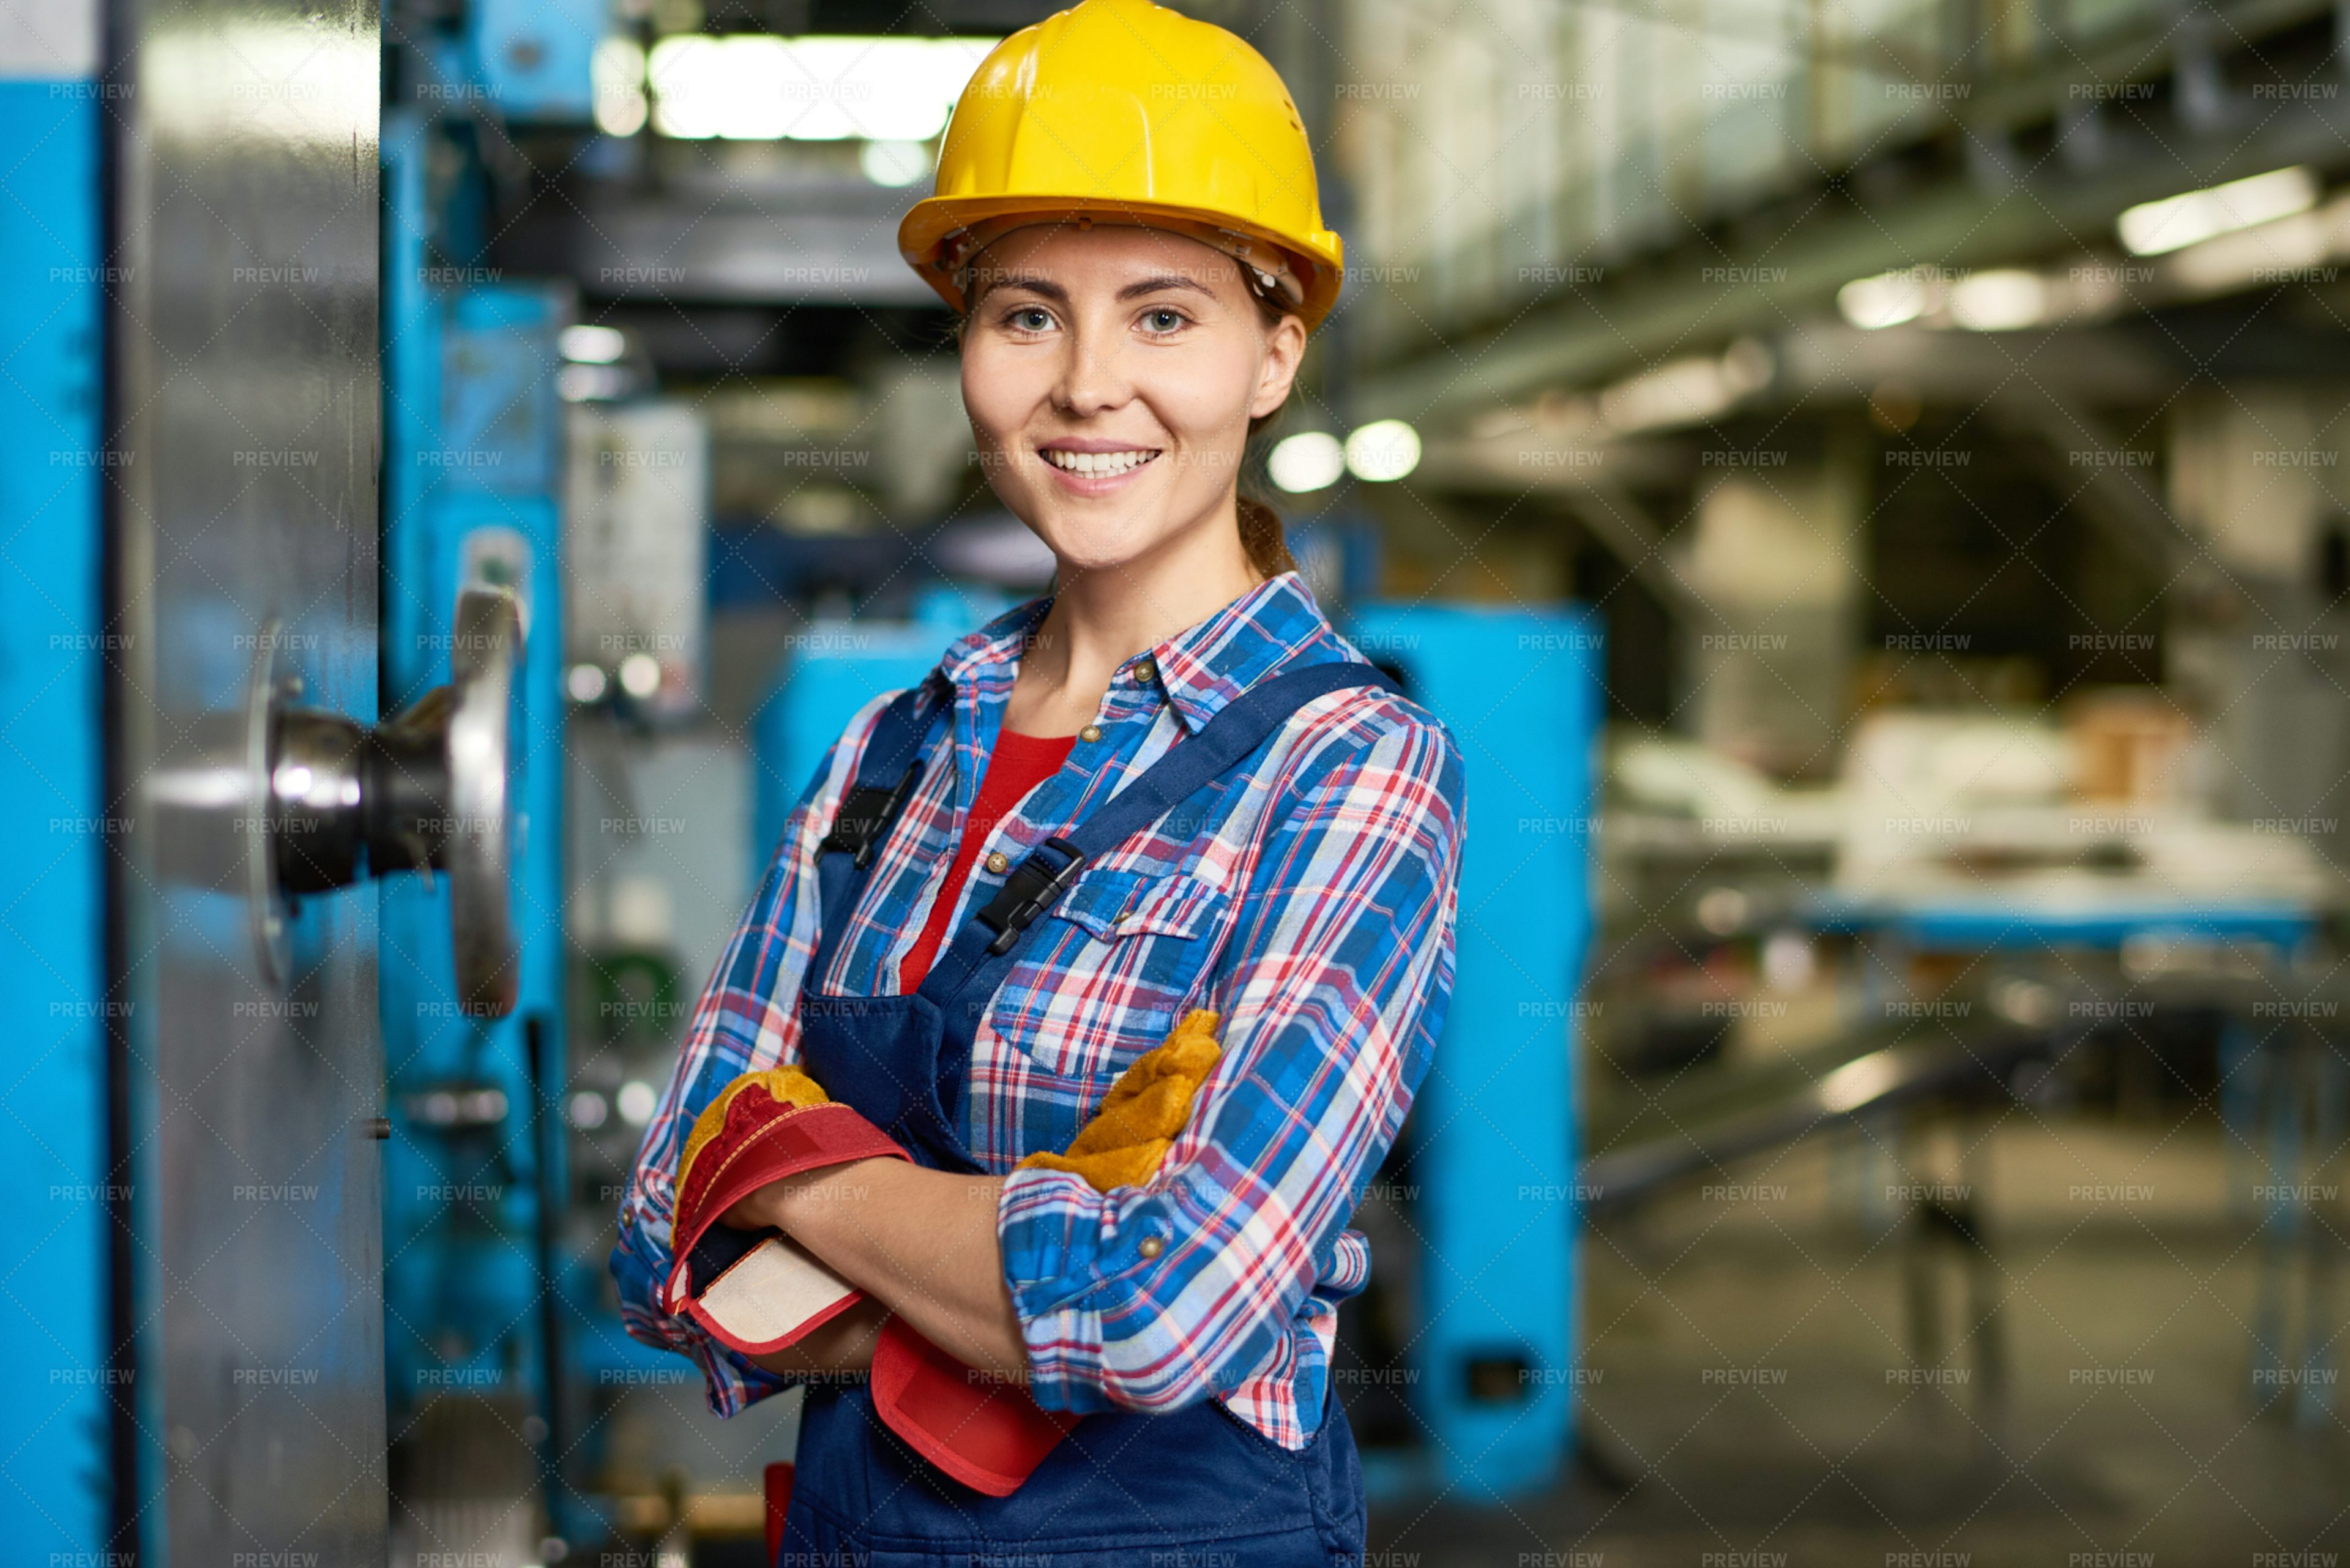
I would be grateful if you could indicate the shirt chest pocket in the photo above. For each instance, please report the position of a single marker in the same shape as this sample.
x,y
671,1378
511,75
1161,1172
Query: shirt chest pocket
x,y
1106,973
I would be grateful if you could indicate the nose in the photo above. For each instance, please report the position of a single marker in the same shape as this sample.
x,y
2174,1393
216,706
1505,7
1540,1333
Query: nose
x,y
1094,376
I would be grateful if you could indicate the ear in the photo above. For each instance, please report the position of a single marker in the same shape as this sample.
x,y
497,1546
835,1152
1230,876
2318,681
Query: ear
x,y
1285,350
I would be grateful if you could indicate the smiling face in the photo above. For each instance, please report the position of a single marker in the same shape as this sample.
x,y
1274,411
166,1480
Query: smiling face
x,y
1111,375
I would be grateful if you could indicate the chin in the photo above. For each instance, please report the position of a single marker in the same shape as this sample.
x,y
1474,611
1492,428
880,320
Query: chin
x,y
1101,545
1093,555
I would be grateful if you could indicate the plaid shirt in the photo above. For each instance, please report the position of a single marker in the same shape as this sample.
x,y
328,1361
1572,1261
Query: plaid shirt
x,y
1310,903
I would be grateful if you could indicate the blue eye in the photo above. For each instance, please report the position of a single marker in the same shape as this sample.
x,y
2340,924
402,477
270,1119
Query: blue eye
x,y
1031,318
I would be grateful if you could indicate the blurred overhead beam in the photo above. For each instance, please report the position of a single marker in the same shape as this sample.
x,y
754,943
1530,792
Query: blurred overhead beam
x,y
1609,515
2086,466
2096,365
1665,301
1586,478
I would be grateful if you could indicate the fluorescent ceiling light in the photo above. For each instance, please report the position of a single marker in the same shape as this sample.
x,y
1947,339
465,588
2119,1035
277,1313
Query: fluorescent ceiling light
x,y
2271,253
1311,460
1889,298
758,88
894,164
618,70
1383,451
2173,222
2001,300
592,345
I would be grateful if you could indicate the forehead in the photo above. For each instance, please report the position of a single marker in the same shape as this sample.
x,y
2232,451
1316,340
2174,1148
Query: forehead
x,y
1111,254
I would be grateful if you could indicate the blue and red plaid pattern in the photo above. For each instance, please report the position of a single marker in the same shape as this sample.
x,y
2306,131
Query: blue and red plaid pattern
x,y
1309,900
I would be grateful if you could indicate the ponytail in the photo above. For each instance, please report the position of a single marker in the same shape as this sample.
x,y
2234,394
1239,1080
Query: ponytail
x,y
1260,536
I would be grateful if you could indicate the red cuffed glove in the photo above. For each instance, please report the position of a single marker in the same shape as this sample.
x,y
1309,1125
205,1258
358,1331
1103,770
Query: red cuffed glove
x,y
759,1292
986,1432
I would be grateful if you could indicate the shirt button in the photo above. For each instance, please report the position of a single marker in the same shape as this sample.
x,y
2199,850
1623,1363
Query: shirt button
x,y
999,862
1090,732
1151,1246
1147,671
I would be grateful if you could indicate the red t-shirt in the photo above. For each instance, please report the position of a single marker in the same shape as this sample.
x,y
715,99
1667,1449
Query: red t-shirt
x,y
1018,764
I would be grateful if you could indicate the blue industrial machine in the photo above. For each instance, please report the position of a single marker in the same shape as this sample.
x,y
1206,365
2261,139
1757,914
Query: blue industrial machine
x,y
834,670
57,1387
1492,1193
473,1180
532,56
1493,1160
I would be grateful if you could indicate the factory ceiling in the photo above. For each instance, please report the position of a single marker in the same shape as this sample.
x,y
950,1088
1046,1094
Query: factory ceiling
x,y
2023,168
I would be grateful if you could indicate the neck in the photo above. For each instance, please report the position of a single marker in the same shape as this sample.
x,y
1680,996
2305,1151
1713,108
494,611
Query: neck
x,y
1102,617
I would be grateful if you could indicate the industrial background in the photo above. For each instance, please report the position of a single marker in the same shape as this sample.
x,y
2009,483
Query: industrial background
x,y
1862,478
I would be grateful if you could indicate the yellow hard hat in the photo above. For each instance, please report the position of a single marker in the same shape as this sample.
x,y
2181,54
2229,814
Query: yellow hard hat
x,y
1120,111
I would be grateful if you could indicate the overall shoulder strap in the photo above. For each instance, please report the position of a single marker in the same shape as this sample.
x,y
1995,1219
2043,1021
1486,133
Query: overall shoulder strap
x,y
989,938
1222,742
887,773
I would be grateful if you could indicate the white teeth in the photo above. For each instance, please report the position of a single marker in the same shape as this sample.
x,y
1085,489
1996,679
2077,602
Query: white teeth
x,y
1097,465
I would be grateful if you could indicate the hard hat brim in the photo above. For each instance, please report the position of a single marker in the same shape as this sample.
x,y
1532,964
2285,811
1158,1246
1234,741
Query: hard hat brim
x,y
923,233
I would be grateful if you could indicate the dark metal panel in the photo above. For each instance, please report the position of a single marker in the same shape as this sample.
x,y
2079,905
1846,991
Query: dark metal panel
x,y
246,366
703,241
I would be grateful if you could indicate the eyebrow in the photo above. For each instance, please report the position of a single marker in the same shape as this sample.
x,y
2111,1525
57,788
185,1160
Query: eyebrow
x,y
1136,290
1164,280
1029,281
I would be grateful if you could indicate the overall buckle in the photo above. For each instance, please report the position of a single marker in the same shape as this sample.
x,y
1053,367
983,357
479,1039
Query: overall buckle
x,y
1028,892
865,815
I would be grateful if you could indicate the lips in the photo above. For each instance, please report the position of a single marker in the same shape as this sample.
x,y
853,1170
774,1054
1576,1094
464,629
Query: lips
x,y
1097,465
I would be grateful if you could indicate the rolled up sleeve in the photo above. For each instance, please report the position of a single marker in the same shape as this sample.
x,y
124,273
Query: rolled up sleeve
x,y
747,1020
1333,993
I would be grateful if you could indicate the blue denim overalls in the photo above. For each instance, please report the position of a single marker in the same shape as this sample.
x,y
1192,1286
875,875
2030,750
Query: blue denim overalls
x,y
1196,1487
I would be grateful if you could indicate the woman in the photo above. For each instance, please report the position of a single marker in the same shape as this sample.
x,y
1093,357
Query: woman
x,y
969,947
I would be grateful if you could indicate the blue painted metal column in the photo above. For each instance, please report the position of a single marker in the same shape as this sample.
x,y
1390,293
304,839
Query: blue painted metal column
x,y
475,1176
1494,1164
56,1383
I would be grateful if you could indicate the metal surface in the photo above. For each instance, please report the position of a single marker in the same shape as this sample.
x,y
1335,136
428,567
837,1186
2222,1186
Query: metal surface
x,y
208,807
244,375
486,694
271,802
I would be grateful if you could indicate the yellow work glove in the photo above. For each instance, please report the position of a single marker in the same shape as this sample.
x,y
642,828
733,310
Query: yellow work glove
x,y
1148,1106
786,1086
